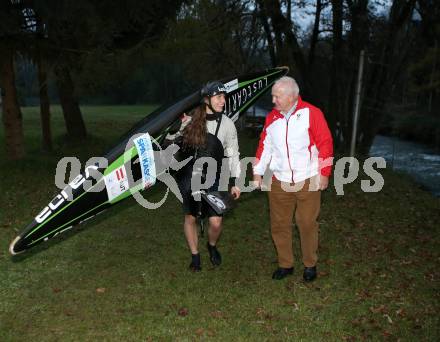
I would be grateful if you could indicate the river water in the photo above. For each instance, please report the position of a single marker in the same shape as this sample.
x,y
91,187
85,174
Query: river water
x,y
419,161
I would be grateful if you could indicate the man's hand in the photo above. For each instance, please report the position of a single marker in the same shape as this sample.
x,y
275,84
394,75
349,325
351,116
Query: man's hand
x,y
235,192
258,181
323,182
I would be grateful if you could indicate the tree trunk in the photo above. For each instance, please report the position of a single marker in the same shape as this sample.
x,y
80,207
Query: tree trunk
x,y
44,104
384,73
12,117
358,39
271,7
264,20
282,26
75,126
289,11
315,33
335,108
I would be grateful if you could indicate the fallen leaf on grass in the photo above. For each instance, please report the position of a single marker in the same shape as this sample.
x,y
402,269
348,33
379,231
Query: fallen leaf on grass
x,y
217,314
391,294
56,290
363,294
374,248
326,298
183,312
386,333
429,276
260,312
416,321
373,323
269,317
348,264
290,286
388,318
356,321
101,289
379,309
269,328
401,312
406,262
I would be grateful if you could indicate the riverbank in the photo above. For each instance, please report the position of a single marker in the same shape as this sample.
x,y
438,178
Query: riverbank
x,y
419,161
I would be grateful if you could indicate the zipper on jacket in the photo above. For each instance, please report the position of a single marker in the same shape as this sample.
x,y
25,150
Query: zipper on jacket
x,y
287,146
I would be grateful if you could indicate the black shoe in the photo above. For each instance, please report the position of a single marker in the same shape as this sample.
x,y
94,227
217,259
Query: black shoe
x,y
195,265
309,273
281,273
214,255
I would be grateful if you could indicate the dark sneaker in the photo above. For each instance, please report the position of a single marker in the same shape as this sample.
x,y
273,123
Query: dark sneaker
x,y
214,255
309,273
195,265
281,273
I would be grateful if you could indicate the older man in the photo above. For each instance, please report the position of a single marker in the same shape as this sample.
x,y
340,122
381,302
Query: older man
x,y
297,145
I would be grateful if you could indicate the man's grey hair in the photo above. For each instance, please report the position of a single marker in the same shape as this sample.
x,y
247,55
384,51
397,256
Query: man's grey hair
x,y
288,84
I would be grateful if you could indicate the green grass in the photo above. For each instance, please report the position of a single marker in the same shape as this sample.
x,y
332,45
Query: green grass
x,y
124,277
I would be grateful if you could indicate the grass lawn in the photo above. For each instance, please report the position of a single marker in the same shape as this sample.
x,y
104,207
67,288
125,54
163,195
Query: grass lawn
x,y
124,276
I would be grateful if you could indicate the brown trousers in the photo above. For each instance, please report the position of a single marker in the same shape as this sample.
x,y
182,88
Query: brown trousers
x,y
305,204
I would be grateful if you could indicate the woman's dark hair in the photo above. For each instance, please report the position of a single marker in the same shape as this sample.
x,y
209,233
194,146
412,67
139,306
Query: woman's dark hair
x,y
194,135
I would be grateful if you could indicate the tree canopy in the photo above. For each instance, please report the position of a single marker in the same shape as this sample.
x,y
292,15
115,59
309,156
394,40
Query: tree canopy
x,y
118,52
